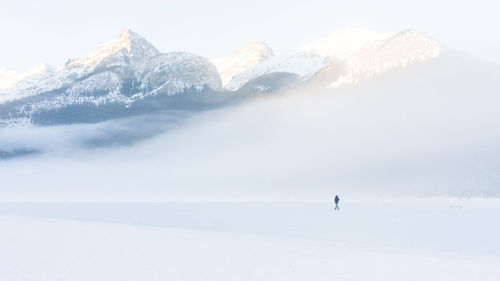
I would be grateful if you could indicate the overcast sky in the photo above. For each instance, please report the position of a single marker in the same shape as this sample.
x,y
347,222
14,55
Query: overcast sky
x,y
35,31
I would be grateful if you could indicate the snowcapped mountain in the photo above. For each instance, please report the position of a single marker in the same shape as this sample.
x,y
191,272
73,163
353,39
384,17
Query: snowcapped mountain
x,y
396,52
307,60
117,79
346,56
134,44
128,75
248,56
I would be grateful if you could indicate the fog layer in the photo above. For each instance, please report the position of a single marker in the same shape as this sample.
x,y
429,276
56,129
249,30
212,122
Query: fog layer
x,y
430,130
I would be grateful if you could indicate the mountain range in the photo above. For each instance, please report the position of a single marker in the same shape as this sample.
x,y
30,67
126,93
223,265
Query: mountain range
x,y
129,76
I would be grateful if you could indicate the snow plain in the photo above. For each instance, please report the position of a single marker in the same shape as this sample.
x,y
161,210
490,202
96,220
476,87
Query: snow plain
x,y
375,239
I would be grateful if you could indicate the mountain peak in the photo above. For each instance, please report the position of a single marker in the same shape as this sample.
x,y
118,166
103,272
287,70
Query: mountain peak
x,y
412,42
404,48
125,33
249,55
342,43
135,45
257,46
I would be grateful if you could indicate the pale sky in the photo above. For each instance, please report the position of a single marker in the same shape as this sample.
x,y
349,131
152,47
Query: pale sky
x,y
35,31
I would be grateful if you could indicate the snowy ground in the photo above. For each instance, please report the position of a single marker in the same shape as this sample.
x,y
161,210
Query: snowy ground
x,y
418,239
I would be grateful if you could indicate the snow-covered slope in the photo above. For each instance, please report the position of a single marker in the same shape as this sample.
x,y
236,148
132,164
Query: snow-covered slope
x,y
135,45
302,64
248,56
405,48
307,60
44,83
176,72
9,78
11,81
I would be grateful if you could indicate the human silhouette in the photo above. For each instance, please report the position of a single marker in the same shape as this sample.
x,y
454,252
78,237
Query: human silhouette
x,y
337,199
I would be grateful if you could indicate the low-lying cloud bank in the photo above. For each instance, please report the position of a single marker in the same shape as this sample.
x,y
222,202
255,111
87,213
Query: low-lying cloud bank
x,y
432,130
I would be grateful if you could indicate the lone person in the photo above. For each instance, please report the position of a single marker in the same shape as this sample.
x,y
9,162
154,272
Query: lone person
x,y
337,199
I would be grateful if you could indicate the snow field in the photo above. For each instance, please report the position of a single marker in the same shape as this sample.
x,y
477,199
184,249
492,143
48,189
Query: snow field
x,y
438,239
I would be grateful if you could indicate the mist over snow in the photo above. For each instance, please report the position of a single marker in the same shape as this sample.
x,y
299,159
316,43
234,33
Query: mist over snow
x,y
431,130
331,141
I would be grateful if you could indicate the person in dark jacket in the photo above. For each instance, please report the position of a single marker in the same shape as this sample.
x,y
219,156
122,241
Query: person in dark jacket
x,y
337,199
